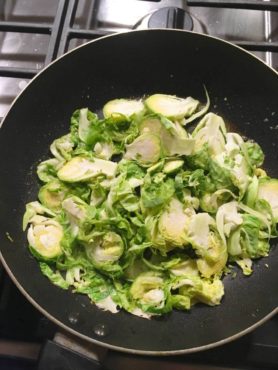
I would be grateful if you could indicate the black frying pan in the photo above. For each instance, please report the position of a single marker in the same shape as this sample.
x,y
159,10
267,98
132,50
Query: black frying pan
x,y
242,89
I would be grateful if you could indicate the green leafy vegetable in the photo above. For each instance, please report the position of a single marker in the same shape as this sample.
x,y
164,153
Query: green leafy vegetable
x,y
45,236
82,169
122,107
268,190
137,213
171,106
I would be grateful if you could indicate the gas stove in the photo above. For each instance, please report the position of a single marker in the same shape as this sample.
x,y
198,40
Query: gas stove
x,y
35,32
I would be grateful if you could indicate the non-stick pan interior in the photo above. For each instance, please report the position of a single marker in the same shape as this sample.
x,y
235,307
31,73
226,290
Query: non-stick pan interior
x,y
242,89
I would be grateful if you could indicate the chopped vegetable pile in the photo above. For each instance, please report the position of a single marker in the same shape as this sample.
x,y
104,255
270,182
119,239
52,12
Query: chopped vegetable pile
x,y
139,214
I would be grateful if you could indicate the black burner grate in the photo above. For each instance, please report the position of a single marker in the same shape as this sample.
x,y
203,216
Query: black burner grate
x,y
54,30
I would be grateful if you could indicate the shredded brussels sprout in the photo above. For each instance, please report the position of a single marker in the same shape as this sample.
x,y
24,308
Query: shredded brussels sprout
x,y
137,213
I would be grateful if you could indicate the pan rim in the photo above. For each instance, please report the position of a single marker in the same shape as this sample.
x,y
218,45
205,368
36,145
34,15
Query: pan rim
x,y
83,336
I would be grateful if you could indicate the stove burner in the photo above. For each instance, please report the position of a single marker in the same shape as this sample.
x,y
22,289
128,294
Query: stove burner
x,y
171,17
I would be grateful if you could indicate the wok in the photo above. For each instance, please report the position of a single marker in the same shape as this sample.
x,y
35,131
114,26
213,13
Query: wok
x,y
242,89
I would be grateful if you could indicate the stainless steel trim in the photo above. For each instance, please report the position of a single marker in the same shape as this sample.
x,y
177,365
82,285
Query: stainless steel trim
x,y
87,349
267,20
